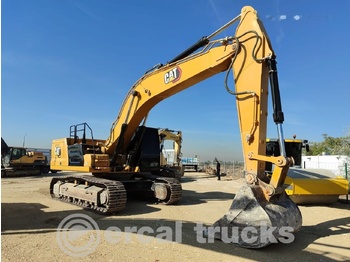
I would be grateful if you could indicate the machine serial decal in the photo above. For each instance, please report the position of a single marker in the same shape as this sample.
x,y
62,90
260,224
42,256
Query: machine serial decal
x,y
173,75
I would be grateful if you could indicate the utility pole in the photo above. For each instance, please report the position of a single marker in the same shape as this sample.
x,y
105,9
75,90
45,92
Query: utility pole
x,y
24,140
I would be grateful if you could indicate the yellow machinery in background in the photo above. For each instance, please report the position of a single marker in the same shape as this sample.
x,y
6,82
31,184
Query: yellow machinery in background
x,y
311,185
170,156
19,161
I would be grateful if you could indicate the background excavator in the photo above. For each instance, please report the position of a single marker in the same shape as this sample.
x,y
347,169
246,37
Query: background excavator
x,y
127,162
170,156
19,161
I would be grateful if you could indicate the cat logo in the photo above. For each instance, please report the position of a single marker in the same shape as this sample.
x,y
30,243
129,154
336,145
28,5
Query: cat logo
x,y
173,75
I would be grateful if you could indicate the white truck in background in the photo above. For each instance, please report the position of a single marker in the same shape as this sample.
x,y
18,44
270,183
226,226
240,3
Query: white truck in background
x,y
190,163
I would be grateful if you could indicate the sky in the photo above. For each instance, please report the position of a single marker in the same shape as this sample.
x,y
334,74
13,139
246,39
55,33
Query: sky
x,y
65,62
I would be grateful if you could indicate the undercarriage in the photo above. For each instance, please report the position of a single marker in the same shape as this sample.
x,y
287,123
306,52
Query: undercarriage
x,y
108,196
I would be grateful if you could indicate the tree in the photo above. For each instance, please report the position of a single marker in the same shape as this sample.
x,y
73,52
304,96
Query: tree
x,y
331,146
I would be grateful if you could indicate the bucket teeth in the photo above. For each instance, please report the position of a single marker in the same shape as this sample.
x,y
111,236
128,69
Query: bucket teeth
x,y
253,222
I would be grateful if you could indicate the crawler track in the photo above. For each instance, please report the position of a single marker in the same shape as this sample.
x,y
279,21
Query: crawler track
x,y
115,192
175,190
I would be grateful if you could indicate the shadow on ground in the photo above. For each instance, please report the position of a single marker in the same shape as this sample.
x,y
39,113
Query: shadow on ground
x,y
31,218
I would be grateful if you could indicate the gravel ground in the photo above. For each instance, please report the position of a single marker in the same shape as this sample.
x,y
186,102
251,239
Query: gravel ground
x,y
31,219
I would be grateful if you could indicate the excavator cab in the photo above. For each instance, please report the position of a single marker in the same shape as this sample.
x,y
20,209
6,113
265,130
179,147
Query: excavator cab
x,y
144,149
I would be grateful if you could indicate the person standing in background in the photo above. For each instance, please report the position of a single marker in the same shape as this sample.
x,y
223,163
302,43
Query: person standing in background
x,y
218,169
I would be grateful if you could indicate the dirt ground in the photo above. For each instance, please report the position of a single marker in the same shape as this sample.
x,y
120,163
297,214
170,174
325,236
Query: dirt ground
x,y
32,227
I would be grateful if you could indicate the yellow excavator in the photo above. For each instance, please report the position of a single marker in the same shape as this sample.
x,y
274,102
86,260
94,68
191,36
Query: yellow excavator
x,y
127,162
170,157
19,161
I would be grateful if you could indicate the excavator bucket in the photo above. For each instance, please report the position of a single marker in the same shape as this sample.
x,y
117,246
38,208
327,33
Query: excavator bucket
x,y
253,222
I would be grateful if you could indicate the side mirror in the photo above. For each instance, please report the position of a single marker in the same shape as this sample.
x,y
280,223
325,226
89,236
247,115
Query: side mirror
x,y
307,148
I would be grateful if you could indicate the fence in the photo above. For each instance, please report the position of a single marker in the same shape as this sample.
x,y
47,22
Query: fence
x,y
235,168
228,168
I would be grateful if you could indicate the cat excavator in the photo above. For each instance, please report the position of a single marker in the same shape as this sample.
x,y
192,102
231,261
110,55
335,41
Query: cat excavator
x,y
127,162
